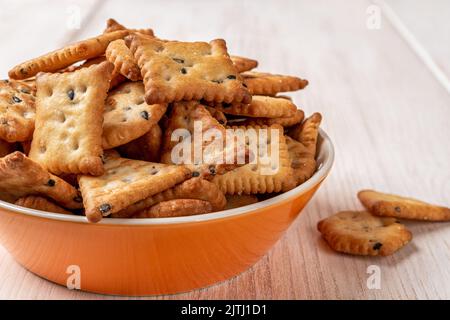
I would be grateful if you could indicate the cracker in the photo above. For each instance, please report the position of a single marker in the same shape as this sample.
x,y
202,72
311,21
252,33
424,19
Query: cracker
x,y
260,177
237,201
17,111
218,115
389,205
69,117
127,116
261,106
195,188
112,25
307,132
361,233
20,176
183,116
40,203
126,182
5,148
59,59
175,71
243,64
145,148
121,56
297,118
271,84
176,208
303,162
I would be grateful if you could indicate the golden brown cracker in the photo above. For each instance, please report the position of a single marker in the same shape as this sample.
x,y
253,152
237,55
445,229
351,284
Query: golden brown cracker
x,y
389,205
237,201
59,59
243,64
127,116
121,56
145,148
307,132
112,25
175,71
20,176
17,111
303,162
194,188
297,118
361,233
40,203
126,182
218,115
69,118
259,83
176,208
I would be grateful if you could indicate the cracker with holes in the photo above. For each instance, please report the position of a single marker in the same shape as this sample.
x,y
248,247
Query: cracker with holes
x,y
121,56
17,111
66,56
212,159
361,233
176,208
389,205
20,176
261,106
126,182
237,201
243,64
127,116
145,148
271,170
297,118
175,71
195,188
112,25
41,203
259,83
69,118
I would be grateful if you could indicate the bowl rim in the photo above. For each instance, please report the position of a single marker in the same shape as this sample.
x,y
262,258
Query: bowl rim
x,y
326,149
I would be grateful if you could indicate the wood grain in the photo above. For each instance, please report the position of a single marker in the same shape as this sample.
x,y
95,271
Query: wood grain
x,y
385,112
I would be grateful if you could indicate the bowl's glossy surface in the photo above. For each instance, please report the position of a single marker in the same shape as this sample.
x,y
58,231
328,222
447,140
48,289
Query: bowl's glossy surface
x,y
154,256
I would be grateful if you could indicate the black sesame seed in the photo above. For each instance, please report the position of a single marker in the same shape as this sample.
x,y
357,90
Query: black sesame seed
x,y
178,60
217,81
105,208
77,199
51,183
144,114
212,170
231,77
377,246
25,91
16,99
244,85
71,94
195,174
183,70
397,209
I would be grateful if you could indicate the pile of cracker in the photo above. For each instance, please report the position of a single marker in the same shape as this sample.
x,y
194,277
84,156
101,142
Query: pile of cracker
x,y
87,129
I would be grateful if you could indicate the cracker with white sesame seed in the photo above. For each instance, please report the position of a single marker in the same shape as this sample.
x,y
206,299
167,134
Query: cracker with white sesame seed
x,y
175,71
69,119
17,111
126,182
361,233
259,83
127,116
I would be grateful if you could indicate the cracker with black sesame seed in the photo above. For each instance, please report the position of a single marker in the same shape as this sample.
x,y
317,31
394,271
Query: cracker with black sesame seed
x,y
69,119
194,188
259,83
21,176
389,205
270,171
175,71
176,208
62,58
243,64
126,182
212,160
297,118
145,148
361,233
17,111
124,63
127,116
261,106
40,203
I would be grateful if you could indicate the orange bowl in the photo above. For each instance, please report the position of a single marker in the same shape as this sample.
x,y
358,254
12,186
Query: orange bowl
x,y
154,256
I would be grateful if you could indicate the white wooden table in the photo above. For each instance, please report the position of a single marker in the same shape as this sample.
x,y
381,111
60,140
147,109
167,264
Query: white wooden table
x,y
384,97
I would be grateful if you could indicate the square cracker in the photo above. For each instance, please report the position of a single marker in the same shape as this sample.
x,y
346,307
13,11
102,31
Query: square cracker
x,y
17,111
20,176
69,118
125,182
175,71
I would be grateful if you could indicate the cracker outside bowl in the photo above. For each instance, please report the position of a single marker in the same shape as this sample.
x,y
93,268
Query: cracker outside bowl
x,y
138,257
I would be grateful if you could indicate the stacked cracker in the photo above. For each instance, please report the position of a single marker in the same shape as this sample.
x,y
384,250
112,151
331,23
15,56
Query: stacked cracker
x,y
86,129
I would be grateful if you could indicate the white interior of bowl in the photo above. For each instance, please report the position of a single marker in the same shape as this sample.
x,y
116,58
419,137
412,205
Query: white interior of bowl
x,y
325,158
